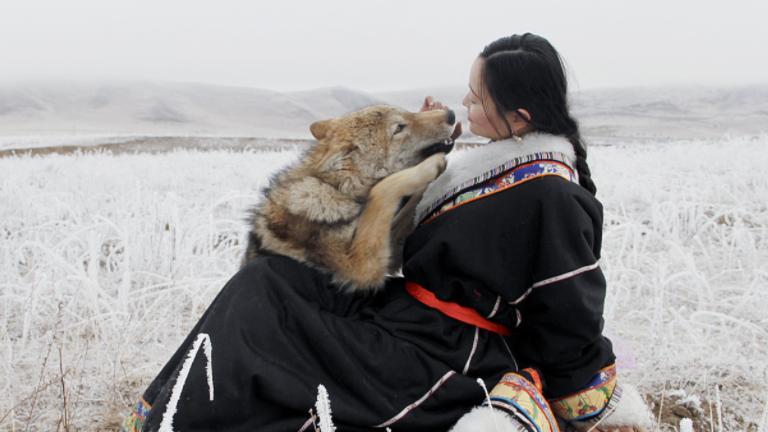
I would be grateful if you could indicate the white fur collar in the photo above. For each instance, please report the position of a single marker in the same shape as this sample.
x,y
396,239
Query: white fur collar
x,y
474,165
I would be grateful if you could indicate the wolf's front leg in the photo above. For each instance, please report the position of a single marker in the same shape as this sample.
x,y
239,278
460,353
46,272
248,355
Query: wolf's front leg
x,y
370,252
402,225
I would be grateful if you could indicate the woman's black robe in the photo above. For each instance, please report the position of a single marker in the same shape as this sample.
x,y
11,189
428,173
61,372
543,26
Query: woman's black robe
x,y
525,256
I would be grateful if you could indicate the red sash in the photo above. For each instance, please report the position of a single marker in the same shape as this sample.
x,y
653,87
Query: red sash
x,y
454,310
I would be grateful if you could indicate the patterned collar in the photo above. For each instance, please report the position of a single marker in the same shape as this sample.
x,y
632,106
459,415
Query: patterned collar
x,y
469,167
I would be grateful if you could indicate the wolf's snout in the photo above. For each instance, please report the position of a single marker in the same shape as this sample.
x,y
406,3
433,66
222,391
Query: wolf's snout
x,y
451,118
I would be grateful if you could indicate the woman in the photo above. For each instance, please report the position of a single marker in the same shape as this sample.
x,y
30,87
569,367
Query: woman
x,y
501,282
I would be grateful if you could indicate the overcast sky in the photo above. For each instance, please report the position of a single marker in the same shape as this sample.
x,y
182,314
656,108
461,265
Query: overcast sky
x,y
377,45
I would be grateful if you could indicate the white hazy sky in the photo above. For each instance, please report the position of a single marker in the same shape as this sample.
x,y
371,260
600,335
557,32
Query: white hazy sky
x,y
377,45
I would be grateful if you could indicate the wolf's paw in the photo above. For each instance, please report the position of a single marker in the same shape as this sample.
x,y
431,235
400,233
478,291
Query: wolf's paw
x,y
410,181
426,172
434,165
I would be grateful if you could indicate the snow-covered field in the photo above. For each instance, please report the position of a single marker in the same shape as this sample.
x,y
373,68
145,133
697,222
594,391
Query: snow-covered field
x,y
106,261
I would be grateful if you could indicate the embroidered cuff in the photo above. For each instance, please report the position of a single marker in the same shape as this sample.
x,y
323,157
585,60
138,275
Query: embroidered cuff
x,y
589,404
522,398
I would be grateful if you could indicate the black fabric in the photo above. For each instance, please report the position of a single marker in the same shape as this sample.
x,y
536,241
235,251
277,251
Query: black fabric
x,y
501,245
280,328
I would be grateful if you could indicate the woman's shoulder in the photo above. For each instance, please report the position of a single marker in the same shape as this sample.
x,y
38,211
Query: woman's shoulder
x,y
555,191
554,202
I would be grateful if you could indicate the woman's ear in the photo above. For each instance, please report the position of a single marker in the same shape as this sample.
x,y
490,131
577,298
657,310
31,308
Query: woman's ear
x,y
524,114
519,120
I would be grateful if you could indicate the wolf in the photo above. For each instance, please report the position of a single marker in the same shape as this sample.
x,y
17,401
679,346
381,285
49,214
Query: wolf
x,y
347,204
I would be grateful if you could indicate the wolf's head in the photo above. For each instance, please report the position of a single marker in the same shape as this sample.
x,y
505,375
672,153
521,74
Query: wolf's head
x,y
356,150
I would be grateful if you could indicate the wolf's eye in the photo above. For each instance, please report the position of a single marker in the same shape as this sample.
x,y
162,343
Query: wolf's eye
x,y
399,128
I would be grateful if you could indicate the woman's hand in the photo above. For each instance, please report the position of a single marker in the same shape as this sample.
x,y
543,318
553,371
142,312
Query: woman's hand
x,y
431,104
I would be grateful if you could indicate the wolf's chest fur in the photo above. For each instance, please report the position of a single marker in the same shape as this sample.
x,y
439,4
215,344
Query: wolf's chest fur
x,y
304,218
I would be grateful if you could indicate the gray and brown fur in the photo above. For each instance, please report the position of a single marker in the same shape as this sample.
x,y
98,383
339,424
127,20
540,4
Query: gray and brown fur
x,y
339,207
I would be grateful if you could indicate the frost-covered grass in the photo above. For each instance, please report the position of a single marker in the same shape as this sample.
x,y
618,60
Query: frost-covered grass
x,y
686,256
106,262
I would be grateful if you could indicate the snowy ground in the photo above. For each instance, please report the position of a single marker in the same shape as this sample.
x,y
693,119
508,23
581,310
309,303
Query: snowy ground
x,y
106,261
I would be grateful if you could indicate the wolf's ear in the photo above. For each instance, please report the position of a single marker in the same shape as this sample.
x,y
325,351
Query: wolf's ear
x,y
320,129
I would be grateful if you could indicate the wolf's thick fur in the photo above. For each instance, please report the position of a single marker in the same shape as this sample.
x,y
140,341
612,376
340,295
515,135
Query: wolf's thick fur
x,y
337,207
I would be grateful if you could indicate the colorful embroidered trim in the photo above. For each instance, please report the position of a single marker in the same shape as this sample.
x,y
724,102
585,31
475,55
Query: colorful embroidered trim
x,y
513,177
482,178
590,401
454,310
592,422
519,397
533,375
135,421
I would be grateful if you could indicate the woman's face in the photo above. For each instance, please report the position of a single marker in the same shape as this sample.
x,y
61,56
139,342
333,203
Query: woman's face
x,y
483,117
481,112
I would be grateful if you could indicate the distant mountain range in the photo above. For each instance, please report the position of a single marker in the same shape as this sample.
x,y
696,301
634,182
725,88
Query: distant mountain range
x,y
36,113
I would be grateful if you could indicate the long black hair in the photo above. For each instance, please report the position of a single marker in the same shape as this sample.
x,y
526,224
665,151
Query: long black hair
x,y
526,72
